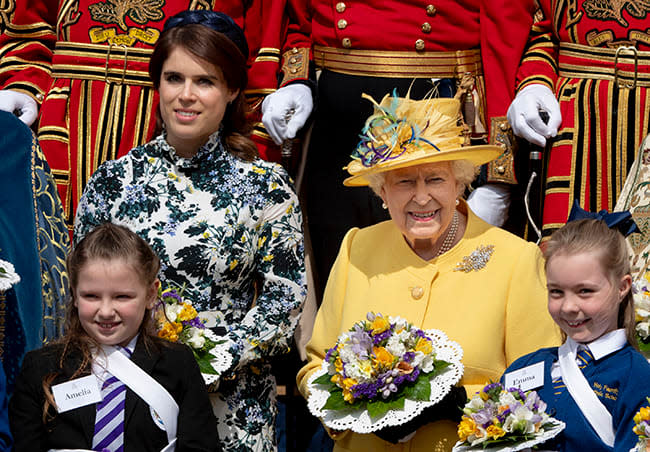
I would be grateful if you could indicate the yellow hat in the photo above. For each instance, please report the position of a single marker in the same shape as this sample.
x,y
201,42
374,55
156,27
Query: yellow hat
x,y
403,132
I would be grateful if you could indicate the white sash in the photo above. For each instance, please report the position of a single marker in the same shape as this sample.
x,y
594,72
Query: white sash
x,y
148,389
578,386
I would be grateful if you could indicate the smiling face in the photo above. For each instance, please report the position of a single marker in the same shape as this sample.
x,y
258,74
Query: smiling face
x,y
112,300
193,100
582,299
421,201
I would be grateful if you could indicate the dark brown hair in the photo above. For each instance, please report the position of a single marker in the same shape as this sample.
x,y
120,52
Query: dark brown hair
x,y
215,48
106,242
585,236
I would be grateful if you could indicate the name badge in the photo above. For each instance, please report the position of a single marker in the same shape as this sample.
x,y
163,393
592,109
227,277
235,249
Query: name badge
x,y
528,378
76,393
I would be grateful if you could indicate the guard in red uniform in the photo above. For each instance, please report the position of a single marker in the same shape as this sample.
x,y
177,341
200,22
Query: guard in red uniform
x,y
594,57
375,47
81,66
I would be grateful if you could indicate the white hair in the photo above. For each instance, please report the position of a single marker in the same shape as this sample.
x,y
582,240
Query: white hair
x,y
463,170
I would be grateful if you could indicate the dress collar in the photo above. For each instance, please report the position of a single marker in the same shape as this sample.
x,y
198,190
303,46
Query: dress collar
x,y
209,151
606,344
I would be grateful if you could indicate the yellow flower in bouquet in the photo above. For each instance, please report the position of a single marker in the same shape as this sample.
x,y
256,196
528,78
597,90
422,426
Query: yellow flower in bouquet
x,y
466,427
170,331
187,313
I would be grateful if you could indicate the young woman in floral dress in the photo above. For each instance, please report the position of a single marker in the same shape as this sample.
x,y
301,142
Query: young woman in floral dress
x,y
226,225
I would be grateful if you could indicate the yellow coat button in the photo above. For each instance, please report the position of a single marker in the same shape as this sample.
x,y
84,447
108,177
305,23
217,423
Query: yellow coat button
x,y
426,27
340,7
342,24
346,43
417,292
431,10
419,44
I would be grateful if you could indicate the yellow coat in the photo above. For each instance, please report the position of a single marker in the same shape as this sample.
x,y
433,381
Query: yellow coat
x,y
497,313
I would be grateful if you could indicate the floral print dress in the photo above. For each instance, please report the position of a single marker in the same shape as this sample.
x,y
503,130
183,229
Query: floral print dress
x,y
230,232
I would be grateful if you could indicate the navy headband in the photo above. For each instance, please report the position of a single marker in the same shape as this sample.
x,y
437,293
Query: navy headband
x,y
622,221
220,22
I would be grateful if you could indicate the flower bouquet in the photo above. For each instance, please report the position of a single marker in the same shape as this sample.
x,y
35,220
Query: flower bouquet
x,y
177,321
641,294
642,429
505,420
383,372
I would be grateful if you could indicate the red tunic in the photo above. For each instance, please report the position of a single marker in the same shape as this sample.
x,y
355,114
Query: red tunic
x,y
97,101
602,123
498,27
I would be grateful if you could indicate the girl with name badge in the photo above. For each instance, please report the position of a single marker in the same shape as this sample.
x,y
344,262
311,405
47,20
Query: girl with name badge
x,y
109,384
596,380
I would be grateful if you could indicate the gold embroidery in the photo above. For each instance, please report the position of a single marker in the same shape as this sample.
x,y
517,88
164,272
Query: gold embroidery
x,y
202,4
502,168
7,8
100,35
613,9
295,64
70,17
116,11
573,15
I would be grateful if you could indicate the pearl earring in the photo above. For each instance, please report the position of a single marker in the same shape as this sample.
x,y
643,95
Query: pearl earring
x,y
384,206
457,201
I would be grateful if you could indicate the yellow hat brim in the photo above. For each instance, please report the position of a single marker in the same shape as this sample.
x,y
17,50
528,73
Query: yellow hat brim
x,y
478,155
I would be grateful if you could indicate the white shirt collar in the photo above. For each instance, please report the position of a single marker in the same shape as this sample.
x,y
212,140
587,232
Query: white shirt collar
x,y
131,345
606,344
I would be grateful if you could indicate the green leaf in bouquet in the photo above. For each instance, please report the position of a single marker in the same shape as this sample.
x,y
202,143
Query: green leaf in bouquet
x,y
439,366
324,379
643,345
204,364
419,390
379,407
336,402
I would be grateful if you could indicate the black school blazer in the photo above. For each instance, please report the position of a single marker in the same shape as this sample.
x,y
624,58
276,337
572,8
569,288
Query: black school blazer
x,y
172,365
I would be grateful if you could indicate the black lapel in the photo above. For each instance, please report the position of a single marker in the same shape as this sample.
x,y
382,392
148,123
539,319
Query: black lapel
x,y
85,414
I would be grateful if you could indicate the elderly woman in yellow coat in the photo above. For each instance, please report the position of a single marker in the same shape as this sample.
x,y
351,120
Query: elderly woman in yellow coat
x,y
435,263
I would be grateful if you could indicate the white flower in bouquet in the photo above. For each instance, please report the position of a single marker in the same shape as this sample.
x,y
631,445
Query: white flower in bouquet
x,y
196,338
8,276
520,420
507,399
172,311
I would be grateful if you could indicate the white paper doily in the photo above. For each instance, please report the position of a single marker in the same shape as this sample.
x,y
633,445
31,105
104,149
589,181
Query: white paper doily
x,y
359,420
539,439
222,357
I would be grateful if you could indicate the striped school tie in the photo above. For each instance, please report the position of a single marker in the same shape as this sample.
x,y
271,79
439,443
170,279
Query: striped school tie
x,y
584,358
109,420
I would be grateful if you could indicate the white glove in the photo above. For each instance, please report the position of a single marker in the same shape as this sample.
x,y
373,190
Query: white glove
x,y
14,101
490,202
523,114
277,108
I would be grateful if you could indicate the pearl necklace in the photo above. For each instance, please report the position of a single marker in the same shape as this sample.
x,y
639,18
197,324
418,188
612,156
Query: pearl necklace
x,y
450,237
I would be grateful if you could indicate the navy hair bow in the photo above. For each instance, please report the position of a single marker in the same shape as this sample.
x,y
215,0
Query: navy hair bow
x,y
220,22
619,220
